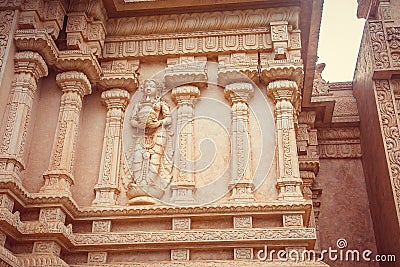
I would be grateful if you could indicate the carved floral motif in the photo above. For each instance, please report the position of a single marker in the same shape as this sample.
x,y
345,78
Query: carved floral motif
x,y
379,46
390,130
393,38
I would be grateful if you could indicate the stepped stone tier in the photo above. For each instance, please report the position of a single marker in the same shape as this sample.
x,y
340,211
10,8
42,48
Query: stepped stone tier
x,y
194,133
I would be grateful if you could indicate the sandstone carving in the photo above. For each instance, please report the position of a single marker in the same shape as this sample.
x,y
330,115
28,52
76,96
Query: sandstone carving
x,y
108,125
150,164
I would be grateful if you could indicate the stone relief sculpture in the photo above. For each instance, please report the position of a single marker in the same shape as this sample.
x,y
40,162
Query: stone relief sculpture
x,y
320,86
150,155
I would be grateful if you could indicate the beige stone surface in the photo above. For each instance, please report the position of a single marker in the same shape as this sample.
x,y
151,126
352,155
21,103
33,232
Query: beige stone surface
x,y
253,146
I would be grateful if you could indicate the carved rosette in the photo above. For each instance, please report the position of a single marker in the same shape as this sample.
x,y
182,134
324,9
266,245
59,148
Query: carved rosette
x,y
59,176
29,67
184,182
239,95
285,94
106,189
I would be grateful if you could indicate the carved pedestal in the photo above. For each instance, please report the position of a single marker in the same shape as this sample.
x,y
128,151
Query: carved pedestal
x,y
285,94
29,67
59,176
184,183
106,189
241,184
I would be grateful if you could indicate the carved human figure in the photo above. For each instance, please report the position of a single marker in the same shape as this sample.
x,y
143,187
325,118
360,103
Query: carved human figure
x,y
320,86
151,151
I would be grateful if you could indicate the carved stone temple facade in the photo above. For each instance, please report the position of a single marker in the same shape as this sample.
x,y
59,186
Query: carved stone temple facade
x,y
194,133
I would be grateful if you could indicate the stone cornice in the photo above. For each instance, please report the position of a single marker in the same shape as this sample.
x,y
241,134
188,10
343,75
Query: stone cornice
x,y
35,200
196,22
193,73
39,41
145,239
66,60
119,74
75,60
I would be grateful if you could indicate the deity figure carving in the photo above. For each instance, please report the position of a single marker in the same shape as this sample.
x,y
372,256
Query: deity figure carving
x,y
151,153
320,86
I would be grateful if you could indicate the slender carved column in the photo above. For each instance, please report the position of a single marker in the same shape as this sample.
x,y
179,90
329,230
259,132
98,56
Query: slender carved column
x,y
29,67
59,176
184,180
106,189
239,95
285,94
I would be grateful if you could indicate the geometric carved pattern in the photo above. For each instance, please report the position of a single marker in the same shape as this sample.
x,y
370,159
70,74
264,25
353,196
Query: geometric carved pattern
x,y
103,226
97,257
179,254
171,237
242,222
181,223
47,247
243,253
292,220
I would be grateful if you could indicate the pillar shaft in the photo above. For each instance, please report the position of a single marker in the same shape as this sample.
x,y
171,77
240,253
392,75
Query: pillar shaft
x,y
239,95
59,176
29,67
285,94
106,189
184,181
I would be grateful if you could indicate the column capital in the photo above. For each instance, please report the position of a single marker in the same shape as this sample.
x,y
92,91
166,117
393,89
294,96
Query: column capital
x,y
185,93
30,62
115,98
290,72
239,92
283,90
75,81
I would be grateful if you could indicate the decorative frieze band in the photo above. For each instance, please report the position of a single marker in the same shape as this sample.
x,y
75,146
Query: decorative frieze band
x,y
339,142
197,22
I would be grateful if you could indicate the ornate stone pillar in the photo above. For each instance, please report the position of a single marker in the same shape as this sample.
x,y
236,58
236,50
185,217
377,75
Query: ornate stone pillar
x,y
285,94
241,184
106,189
29,67
59,176
184,180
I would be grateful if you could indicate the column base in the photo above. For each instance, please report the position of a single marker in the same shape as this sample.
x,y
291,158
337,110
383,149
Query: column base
x,y
57,182
182,194
289,188
242,192
10,168
105,196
